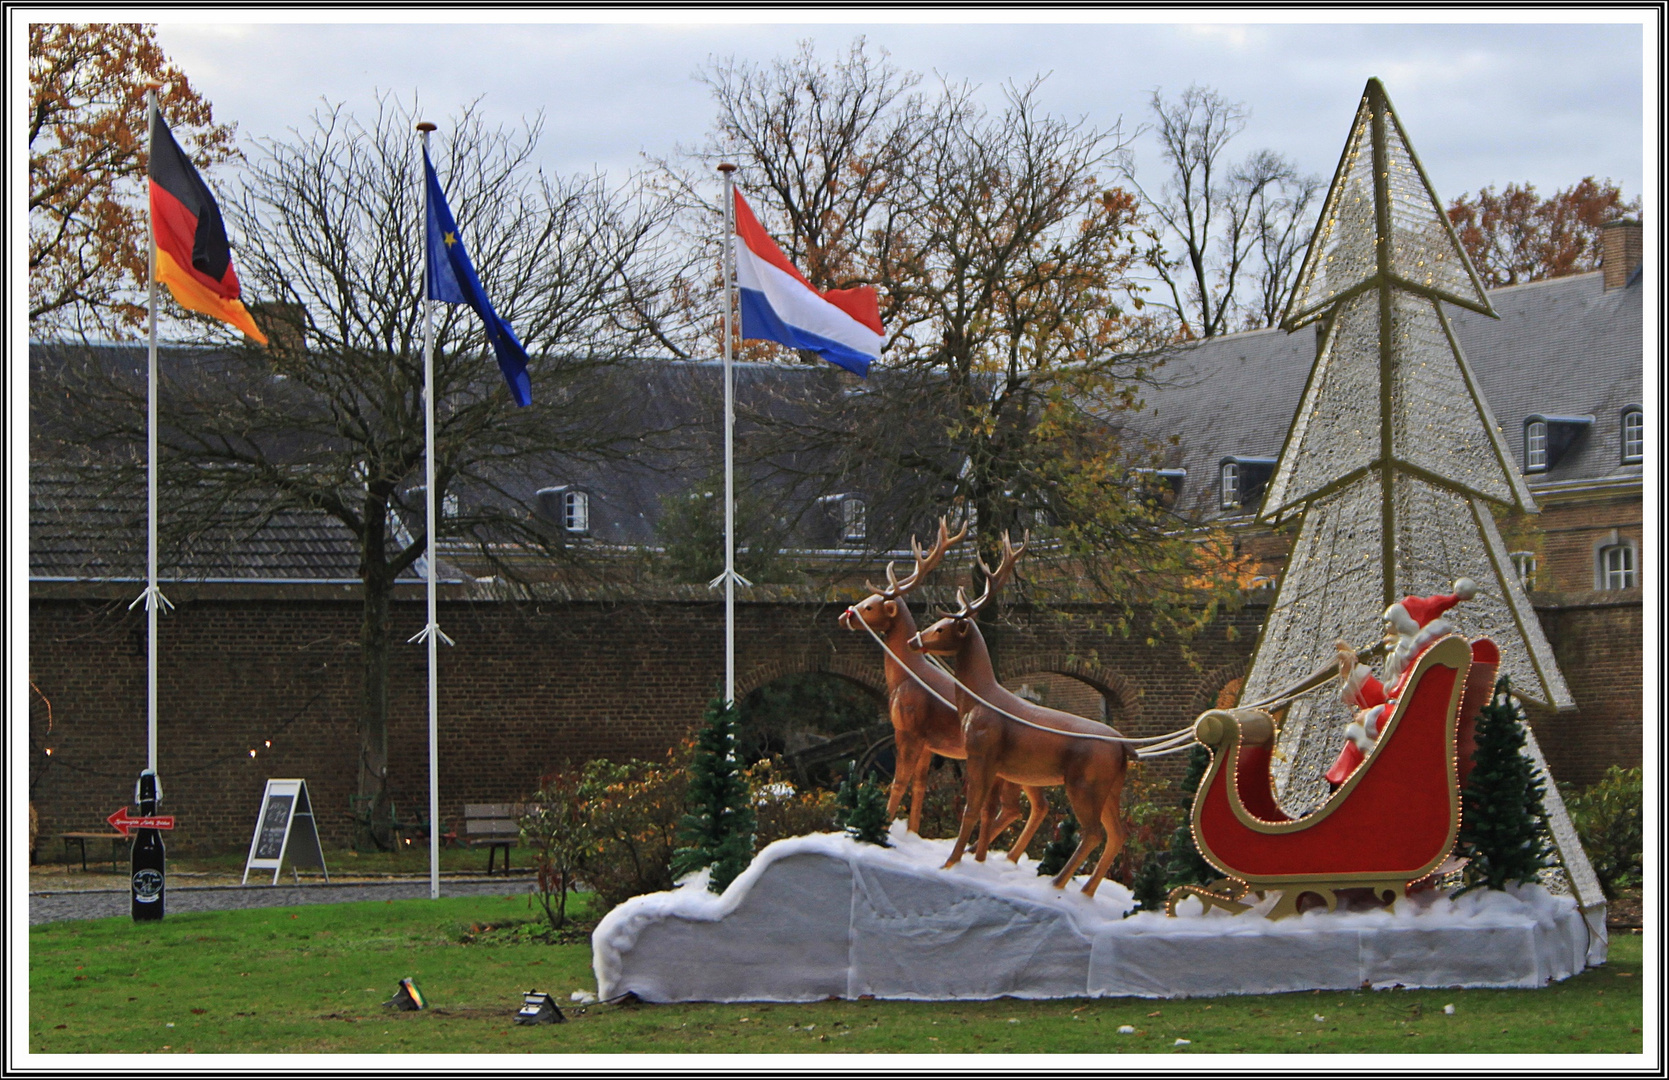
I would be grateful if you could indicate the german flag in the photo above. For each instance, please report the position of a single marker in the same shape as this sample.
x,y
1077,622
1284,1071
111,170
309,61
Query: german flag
x,y
193,257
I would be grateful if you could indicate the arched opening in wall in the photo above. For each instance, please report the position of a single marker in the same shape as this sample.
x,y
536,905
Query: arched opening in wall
x,y
1068,693
816,722
1229,695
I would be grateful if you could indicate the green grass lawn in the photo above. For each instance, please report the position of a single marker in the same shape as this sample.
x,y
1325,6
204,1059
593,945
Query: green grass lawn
x,y
313,979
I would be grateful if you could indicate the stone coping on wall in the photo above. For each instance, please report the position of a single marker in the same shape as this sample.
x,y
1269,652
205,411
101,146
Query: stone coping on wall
x,y
921,600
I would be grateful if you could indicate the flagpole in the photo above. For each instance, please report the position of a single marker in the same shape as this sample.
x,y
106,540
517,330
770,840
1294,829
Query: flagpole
x,y
432,628
729,445
152,596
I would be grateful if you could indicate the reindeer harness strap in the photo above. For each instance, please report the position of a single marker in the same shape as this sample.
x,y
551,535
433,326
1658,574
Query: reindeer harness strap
x,y
1147,747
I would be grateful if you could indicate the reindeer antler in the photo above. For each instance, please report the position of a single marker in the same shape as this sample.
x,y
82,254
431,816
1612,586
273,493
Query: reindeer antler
x,y
926,562
997,579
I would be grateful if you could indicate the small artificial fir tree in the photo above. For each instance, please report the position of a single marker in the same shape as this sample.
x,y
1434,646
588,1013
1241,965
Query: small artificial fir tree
x,y
1148,886
862,809
1060,848
718,830
1503,829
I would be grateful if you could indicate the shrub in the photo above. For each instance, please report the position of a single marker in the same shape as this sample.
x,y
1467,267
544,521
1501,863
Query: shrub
x,y
1150,822
557,827
1186,865
635,810
1607,817
781,810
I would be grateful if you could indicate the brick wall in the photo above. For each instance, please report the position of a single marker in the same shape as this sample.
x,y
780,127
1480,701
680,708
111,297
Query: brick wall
x,y
1568,533
528,686
1597,642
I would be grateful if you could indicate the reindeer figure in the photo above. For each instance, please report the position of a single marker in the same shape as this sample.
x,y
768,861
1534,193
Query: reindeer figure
x,y
1048,754
922,725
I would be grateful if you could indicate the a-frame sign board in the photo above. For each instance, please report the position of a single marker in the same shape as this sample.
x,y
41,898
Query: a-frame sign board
x,y
286,818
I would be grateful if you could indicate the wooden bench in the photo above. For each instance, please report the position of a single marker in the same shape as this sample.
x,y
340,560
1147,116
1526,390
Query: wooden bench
x,y
494,826
118,842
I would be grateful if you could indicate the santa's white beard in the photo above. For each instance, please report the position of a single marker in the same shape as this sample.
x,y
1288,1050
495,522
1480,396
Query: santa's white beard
x,y
1399,657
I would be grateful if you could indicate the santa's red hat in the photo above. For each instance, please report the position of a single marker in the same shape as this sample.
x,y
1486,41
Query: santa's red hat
x,y
1414,612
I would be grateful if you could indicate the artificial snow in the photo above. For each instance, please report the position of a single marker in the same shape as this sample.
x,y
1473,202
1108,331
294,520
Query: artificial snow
x,y
825,916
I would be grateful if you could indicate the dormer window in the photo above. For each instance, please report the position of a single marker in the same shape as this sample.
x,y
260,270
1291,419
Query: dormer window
x,y
1243,480
1535,446
567,506
1634,435
1548,438
1163,485
1231,485
854,524
576,511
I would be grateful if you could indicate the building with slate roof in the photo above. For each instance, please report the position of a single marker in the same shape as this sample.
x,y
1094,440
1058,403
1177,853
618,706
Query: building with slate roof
x,y
270,619
1561,369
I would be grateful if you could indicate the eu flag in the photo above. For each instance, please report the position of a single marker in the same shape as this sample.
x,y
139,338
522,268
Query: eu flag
x,y
452,280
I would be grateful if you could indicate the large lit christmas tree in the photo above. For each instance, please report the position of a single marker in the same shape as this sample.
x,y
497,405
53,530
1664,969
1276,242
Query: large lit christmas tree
x,y
1392,464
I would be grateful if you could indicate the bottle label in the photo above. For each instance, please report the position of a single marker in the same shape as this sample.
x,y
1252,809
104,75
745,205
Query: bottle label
x,y
147,886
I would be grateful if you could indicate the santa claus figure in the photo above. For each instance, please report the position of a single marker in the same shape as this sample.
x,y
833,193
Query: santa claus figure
x,y
1411,627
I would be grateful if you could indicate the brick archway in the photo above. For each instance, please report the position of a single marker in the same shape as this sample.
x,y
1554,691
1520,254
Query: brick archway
x,y
861,673
1122,693
1212,684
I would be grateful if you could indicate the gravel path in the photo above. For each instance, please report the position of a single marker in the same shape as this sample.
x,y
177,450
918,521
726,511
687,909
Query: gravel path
x,y
47,907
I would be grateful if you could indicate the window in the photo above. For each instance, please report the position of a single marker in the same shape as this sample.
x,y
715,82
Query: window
x,y
1231,484
1616,566
1535,446
1524,563
1634,435
576,511
449,505
854,527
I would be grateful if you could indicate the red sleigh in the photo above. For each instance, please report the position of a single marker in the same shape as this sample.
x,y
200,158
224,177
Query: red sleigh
x,y
1390,824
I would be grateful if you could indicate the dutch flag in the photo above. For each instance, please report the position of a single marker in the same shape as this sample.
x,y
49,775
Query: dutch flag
x,y
843,326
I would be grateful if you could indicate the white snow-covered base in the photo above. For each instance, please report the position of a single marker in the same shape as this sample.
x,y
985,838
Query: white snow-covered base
x,y
820,916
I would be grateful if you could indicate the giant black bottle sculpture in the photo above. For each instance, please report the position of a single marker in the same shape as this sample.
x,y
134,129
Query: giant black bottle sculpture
x,y
149,858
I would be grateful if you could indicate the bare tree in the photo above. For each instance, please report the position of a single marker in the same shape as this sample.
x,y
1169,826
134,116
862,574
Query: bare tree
x,y
1017,335
330,419
1224,222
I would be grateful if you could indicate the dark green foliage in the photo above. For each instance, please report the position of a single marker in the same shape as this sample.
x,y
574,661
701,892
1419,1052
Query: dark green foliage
x,y
862,809
718,830
1149,886
1607,819
691,531
1503,829
1060,848
1186,865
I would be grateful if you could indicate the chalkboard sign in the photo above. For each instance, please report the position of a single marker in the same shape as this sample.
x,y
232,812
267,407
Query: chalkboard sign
x,y
275,827
285,828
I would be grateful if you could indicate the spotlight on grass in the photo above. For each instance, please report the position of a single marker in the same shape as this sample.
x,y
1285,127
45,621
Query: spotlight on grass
x,y
408,998
539,1008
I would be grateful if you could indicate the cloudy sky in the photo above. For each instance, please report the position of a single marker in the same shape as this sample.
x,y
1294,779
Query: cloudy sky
x,y
1512,100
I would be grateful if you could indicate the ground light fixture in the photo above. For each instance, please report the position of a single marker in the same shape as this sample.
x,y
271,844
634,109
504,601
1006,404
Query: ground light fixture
x,y
408,998
539,1008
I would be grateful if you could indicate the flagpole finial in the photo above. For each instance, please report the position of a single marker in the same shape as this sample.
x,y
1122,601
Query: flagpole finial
x,y
726,167
425,126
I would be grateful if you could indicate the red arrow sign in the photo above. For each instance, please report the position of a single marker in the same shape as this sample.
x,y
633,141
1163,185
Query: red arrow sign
x,y
124,824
